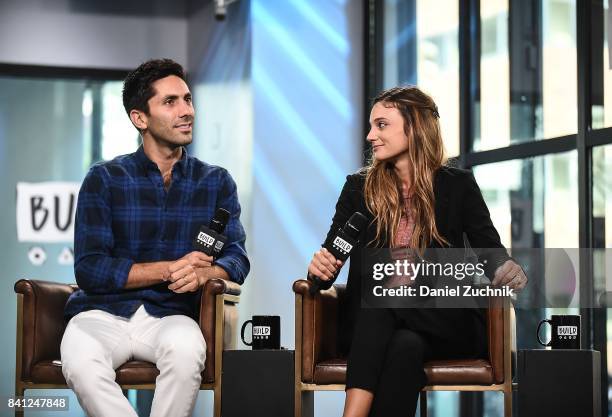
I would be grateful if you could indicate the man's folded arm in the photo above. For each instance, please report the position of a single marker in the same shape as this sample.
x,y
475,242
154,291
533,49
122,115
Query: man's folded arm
x,y
233,259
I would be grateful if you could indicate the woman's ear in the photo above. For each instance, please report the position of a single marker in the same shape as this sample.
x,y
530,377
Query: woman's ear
x,y
139,119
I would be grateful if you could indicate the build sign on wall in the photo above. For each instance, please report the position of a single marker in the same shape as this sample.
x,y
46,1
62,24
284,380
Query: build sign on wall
x,y
46,210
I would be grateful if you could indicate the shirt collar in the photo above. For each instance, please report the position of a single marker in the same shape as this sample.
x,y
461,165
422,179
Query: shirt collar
x,y
147,164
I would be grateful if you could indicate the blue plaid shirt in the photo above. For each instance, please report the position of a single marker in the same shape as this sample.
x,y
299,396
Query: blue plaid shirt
x,y
125,216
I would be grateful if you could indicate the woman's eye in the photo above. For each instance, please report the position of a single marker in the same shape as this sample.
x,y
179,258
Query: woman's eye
x,y
381,125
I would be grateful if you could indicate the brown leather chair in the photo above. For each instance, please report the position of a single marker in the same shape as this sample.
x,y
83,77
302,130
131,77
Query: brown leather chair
x,y
40,327
319,367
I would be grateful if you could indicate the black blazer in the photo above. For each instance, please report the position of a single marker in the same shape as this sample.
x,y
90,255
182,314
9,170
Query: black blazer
x,y
460,213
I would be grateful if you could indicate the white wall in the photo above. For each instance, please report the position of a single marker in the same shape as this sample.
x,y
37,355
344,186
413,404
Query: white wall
x,y
68,34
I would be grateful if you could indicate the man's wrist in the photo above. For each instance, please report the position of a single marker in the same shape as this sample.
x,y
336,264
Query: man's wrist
x,y
165,270
209,272
204,274
222,273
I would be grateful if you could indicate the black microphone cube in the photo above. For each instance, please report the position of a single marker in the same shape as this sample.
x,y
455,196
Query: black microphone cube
x,y
341,245
209,241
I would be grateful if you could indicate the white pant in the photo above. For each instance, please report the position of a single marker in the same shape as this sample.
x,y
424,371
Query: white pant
x,y
96,343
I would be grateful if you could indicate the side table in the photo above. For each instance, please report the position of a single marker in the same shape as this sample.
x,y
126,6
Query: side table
x,y
559,383
258,383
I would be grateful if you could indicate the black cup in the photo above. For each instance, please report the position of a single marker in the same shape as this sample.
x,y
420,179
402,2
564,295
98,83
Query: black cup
x,y
565,332
265,332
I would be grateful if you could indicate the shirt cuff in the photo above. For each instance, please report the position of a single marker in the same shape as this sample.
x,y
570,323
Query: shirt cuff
x,y
121,268
230,267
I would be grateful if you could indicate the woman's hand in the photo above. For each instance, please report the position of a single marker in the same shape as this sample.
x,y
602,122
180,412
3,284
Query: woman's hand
x,y
510,274
324,265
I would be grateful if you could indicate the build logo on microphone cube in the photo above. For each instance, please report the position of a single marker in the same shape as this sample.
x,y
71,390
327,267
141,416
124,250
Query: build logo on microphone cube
x,y
205,239
342,245
261,332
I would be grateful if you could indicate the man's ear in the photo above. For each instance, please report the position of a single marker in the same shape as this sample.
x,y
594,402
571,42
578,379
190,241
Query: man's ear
x,y
139,119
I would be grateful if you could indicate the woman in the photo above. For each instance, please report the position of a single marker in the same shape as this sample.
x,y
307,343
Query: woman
x,y
413,200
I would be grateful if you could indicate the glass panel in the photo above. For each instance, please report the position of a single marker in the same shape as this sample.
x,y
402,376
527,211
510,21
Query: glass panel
x,y
560,75
535,203
528,72
536,206
119,136
602,238
602,70
421,47
493,110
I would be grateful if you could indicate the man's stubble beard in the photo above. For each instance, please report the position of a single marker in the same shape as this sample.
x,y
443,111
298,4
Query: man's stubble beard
x,y
166,139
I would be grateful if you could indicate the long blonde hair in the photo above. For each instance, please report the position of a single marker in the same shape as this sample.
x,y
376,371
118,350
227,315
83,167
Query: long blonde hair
x,y
383,187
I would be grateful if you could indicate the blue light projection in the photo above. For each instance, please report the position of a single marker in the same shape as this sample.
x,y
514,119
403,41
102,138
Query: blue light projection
x,y
331,35
306,84
301,71
294,51
407,34
284,206
301,133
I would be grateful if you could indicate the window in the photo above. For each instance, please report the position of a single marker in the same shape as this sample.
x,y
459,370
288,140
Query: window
x,y
528,72
421,47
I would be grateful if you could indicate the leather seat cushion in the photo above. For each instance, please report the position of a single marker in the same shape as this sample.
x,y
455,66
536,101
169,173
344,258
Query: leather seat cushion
x,y
132,373
439,372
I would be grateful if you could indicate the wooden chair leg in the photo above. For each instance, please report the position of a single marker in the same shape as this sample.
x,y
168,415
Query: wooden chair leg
x,y
217,400
19,392
297,398
304,403
423,403
508,403
307,404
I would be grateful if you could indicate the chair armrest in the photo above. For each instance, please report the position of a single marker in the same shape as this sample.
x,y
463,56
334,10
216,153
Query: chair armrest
x,y
317,317
500,344
218,297
40,321
513,348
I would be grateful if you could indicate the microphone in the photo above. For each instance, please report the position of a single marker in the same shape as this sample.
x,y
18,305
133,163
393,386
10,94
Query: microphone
x,y
211,240
340,246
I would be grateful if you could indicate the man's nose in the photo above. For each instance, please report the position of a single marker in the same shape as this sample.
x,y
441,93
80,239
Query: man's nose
x,y
186,109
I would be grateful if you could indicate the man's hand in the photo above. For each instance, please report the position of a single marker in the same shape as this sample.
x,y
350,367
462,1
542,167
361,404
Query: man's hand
x,y
197,259
188,273
510,274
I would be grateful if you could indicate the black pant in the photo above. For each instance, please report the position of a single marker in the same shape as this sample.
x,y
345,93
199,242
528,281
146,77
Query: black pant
x,y
390,346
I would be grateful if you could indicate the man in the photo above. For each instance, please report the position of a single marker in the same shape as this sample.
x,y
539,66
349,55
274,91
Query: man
x,y
138,275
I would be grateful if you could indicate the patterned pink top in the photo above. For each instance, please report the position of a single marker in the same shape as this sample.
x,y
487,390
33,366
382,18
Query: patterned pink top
x,y
406,226
401,245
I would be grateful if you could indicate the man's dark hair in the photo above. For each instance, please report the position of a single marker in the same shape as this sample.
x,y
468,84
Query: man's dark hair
x,y
137,86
